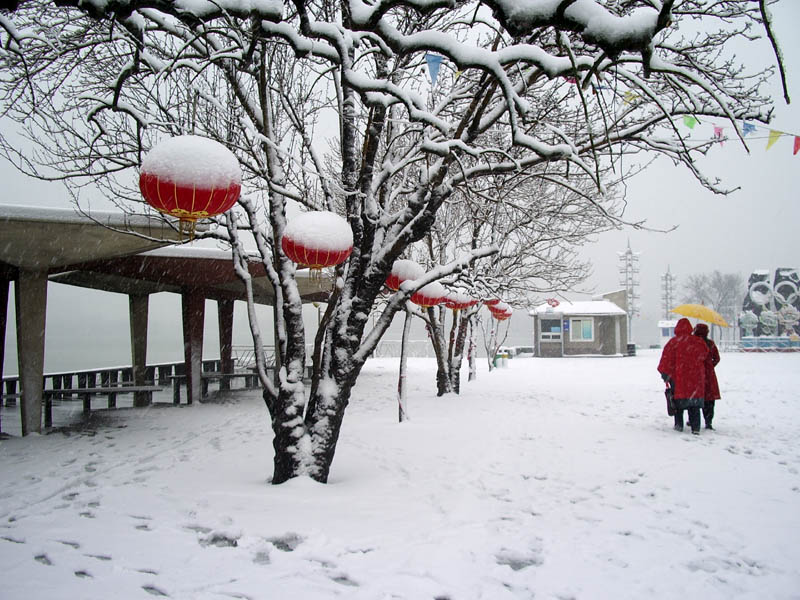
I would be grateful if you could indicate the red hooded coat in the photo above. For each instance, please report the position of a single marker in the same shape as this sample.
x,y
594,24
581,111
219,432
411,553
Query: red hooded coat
x,y
683,359
712,360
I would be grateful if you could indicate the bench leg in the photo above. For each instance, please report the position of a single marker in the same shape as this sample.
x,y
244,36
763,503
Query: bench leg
x,y
87,403
48,411
176,391
112,401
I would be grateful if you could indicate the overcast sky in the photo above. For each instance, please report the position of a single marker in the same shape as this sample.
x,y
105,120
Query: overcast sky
x,y
753,228
756,227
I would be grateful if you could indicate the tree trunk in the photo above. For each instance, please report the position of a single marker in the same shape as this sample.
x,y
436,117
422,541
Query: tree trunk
x,y
458,351
473,368
401,382
439,348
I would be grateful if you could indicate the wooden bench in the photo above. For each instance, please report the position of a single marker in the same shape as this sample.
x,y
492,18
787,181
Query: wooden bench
x,y
250,381
85,394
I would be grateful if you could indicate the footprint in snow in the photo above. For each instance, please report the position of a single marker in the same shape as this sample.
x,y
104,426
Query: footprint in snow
x,y
518,561
220,540
286,543
103,557
5,538
154,591
344,580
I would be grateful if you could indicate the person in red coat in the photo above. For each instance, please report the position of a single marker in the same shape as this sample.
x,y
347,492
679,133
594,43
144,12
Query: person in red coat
x,y
682,365
712,387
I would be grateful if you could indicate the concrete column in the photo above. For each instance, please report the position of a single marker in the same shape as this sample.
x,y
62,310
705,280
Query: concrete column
x,y
193,305
138,306
30,293
225,322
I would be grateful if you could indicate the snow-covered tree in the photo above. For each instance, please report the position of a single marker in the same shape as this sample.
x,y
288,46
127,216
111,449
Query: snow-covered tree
x,y
536,225
721,291
404,91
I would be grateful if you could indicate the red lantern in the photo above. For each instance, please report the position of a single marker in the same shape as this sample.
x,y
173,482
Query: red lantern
x,y
498,307
190,177
500,311
458,301
403,270
429,295
317,239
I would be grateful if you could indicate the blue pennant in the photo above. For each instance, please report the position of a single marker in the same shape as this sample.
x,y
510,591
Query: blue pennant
x,y
434,62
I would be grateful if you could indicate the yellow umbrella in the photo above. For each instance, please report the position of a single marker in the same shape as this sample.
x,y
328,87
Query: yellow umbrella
x,y
698,311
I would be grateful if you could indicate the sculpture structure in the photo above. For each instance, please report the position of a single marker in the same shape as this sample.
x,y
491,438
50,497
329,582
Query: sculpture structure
x,y
770,317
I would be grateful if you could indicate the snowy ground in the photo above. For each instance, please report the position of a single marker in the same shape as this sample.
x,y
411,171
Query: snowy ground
x,y
554,478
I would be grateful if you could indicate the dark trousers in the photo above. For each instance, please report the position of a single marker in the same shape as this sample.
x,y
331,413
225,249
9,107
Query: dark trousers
x,y
708,411
694,418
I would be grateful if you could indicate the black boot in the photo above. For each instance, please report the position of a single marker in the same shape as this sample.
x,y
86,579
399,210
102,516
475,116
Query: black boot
x,y
678,420
694,419
708,413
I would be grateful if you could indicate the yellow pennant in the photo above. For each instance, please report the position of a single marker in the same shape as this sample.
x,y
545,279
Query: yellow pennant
x,y
773,137
630,97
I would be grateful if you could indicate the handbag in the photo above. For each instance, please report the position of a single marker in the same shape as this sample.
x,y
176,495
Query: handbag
x,y
670,394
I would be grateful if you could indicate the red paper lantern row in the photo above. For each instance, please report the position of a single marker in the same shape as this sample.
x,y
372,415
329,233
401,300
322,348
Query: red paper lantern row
x,y
313,258
498,307
403,270
190,177
317,239
500,310
491,302
429,295
459,301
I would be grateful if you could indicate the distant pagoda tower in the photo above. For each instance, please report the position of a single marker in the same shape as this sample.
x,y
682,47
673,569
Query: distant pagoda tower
x,y
668,281
629,280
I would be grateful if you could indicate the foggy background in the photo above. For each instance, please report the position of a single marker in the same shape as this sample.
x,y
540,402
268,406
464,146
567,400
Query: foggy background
x,y
756,227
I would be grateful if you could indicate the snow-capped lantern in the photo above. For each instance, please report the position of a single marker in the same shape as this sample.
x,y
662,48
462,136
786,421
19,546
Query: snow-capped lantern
x,y
458,301
502,316
190,177
429,295
317,239
500,310
498,307
403,270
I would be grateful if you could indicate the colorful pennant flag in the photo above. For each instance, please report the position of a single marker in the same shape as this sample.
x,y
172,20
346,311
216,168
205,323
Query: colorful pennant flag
x,y
434,62
796,144
718,133
630,97
689,121
774,135
747,128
